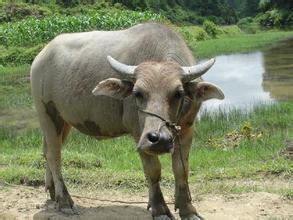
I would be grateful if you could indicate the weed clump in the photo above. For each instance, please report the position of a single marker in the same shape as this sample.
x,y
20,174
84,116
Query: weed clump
x,y
233,138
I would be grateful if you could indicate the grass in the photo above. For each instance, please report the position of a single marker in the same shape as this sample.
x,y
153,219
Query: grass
x,y
115,163
240,43
228,149
231,40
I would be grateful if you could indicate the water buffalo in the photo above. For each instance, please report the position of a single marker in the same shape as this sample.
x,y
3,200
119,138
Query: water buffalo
x,y
105,84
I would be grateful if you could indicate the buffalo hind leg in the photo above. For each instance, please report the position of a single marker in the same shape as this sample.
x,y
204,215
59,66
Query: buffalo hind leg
x,y
182,197
152,170
53,128
49,183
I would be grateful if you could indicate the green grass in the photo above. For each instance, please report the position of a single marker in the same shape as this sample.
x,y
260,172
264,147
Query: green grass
x,y
15,88
239,43
230,40
33,31
115,163
228,148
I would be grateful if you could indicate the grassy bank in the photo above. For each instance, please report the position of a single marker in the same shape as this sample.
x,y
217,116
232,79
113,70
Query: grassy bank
x,y
234,146
229,39
240,43
229,148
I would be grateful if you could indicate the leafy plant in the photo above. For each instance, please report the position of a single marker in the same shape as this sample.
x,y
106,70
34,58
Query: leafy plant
x,y
211,28
34,31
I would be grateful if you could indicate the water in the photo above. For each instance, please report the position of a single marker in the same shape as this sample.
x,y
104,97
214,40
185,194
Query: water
x,y
253,78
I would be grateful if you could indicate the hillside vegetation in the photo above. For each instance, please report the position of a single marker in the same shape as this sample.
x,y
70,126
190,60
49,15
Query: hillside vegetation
x,y
31,26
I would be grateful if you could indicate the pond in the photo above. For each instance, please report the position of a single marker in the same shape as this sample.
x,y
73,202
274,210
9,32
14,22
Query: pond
x,y
253,78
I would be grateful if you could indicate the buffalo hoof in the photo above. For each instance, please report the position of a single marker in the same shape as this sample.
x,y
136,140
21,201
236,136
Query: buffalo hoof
x,y
164,217
65,204
192,217
52,192
69,211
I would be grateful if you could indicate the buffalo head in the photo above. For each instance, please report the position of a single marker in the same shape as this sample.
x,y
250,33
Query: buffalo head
x,y
160,88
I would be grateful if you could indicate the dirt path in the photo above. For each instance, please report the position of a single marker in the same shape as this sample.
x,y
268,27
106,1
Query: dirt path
x,y
32,203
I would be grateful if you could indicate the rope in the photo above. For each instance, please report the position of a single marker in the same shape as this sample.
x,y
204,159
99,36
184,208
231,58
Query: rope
x,y
84,197
175,129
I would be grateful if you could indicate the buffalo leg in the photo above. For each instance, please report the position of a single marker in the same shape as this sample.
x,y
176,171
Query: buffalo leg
x,y
49,182
182,197
53,127
152,170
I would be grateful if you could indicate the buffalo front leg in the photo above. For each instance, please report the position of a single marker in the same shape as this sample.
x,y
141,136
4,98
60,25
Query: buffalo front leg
x,y
152,170
182,195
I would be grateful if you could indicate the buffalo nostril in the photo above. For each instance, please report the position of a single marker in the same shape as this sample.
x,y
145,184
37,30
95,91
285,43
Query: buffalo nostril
x,y
153,137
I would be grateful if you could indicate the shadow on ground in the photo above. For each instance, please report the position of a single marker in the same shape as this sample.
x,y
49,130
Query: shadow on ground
x,y
111,212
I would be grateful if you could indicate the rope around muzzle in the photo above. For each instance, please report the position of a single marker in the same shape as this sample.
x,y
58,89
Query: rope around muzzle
x,y
175,129
173,126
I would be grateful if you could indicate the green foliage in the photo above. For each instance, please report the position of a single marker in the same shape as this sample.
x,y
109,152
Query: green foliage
x,y
34,31
180,15
193,33
16,11
238,43
266,5
275,18
211,28
232,145
231,31
234,138
249,25
185,11
19,55
276,13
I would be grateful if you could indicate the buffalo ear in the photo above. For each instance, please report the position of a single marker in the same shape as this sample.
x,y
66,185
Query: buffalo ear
x,y
203,91
114,88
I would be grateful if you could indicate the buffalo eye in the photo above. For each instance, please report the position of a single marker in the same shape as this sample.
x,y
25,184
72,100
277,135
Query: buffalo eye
x,y
179,94
138,94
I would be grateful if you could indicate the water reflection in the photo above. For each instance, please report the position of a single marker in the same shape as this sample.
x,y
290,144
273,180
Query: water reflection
x,y
278,75
249,79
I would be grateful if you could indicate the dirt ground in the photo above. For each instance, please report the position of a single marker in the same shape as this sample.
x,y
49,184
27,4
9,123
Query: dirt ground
x,y
21,202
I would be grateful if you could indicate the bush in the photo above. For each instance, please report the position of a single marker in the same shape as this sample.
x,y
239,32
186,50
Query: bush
x,y
270,18
16,11
193,33
19,55
211,28
249,25
276,18
34,31
181,16
230,30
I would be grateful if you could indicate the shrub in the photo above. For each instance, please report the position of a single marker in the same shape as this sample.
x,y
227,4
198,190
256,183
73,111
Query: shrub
x,y
17,11
249,25
19,55
276,18
270,18
211,28
230,30
193,33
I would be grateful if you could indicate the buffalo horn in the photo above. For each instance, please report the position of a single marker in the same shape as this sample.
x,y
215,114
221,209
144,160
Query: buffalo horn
x,y
122,68
193,72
